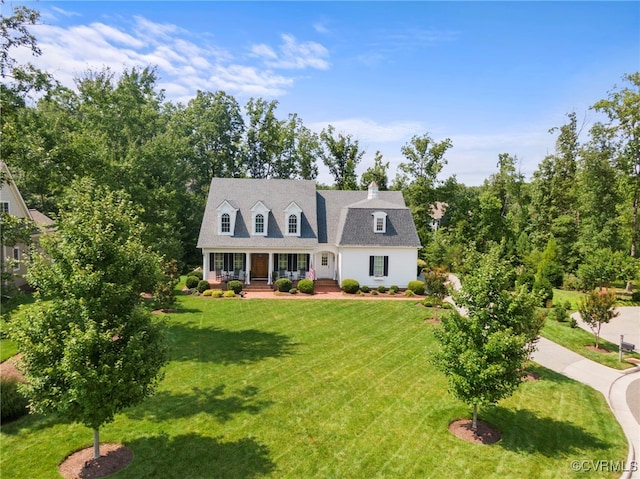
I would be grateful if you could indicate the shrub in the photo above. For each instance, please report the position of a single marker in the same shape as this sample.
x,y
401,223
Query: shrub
x,y
573,323
13,404
374,292
542,287
350,286
284,284
435,281
207,292
197,273
416,286
447,305
293,291
393,289
408,293
422,264
526,279
229,294
203,285
306,286
559,313
635,296
192,282
217,293
571,282
364,288
382,289
235,286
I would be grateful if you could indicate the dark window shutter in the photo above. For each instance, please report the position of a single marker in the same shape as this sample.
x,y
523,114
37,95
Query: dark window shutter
x,y
371,265
386,266
212,261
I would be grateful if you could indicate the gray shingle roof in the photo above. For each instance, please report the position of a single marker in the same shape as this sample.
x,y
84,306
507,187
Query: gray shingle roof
x,y
328,216
276,195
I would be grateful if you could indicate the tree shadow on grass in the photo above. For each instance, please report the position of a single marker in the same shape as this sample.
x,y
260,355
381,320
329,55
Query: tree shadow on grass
x,y
166,405
194,456
525,431
224,346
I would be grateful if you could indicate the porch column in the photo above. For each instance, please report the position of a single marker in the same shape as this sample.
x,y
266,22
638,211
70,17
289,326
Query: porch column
x,y
269,278
205,265
246,268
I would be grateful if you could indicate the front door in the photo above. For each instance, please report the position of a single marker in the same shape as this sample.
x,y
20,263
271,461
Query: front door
x,y
324,266
260,266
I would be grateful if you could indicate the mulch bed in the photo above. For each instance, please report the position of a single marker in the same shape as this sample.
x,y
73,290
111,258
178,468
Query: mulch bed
x,y
597,350
82,465
484,434
9,369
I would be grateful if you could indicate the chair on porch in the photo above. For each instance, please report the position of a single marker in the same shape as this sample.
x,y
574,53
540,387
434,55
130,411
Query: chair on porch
x,y
219,276
302,274
236,274
282,273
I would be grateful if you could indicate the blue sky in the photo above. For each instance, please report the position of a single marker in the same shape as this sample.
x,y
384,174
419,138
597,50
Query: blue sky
x,y
493,77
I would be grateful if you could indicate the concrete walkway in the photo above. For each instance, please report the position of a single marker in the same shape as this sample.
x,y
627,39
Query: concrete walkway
x,y
618,387
627,323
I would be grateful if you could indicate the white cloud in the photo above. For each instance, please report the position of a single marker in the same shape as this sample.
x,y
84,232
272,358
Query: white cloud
x,y
367,130
293,54
183,67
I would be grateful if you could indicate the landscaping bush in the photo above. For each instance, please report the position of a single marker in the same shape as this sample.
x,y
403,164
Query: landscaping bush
x,y
382,289
571,282
364,288
416,286
203,285
435,281
374,292
393,289
207,292
235,286
192,282
283,285
293,291
635,296
13,404
560,313
229,294
542,287
217,293
409,293
350,286
422,264
197,273
306,286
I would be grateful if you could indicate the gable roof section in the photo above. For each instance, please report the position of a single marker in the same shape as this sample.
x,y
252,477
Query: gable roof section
x,y
9,192
244,193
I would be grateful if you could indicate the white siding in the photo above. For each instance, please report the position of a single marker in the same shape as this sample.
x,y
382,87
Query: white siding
x,y
354,264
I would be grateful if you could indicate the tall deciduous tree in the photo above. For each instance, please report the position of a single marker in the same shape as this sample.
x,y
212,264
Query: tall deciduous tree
x,y
341,154
623,109
377,173
418,178
483,354
90,349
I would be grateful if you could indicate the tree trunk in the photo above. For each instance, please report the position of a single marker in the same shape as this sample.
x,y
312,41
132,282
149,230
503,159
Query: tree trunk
x,y
474,421
96,443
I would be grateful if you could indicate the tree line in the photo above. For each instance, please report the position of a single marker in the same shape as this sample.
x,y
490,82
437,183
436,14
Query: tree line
x,y
575,222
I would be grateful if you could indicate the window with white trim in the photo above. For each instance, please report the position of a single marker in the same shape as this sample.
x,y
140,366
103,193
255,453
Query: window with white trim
x,y
259,224
378,266
292,228
225,223
4,206
292,219
379,222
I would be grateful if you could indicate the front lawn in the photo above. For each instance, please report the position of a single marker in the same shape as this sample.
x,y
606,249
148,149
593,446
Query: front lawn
x,y
320,388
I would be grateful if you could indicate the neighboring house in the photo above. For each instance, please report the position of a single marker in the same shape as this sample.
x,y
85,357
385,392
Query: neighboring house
x,y
437,212
271,228
11,202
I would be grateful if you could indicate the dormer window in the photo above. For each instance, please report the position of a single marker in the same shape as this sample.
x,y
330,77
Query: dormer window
x,y
259,224
379,222
292,216
260,219
226,218
225,223
293,225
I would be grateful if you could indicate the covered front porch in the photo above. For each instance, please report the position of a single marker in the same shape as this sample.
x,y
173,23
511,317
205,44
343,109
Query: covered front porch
x,y
265,266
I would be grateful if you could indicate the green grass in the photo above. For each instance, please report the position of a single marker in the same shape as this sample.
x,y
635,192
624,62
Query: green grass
x,y
7,349
560,296
577,340
322,389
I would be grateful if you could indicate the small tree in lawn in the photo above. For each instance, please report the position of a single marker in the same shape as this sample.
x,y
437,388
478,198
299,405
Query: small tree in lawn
x,y
89,348
483,355
596,308
165,292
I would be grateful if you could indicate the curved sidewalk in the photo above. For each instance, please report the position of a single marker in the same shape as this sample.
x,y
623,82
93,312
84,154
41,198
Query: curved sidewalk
x,y
612,383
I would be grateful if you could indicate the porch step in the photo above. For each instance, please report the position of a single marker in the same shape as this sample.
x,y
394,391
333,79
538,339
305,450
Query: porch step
x,y
327,286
